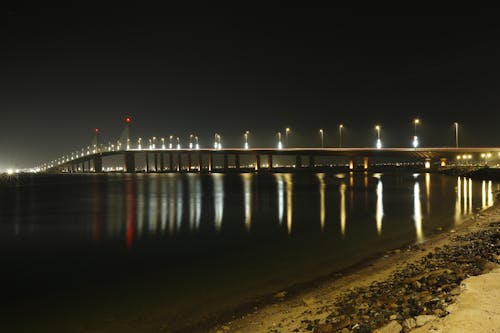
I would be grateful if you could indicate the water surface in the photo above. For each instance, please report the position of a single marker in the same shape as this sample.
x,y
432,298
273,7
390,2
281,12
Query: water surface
x,y
139,251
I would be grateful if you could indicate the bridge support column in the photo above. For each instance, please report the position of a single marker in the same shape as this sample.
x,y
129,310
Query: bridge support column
x,y
351,164
200,162
147,162
270,161
156,161
312,162
257,162
237,162
97,163
170,162
162,162
83,166
210,162
443,162
226,162
179,162
189,162
298,162
88,164
365,163
129,159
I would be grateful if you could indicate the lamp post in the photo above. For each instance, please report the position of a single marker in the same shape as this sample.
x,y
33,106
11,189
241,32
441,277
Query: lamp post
x,y
321,134
196,143
170,144
246,139
191,141
280,145
287,130
341,126
379,142
415,137
456,134
178,143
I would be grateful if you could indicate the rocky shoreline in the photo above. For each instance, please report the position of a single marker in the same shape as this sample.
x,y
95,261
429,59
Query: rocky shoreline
x,y
406,289
417,294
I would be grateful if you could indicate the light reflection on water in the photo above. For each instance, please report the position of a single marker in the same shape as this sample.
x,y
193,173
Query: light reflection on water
x,y
138,206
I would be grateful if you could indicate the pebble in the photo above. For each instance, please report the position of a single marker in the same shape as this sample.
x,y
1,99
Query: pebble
x,y
409,324
424,319
392,327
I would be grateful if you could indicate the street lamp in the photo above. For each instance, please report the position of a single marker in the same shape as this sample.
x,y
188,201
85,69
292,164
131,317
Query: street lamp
x,y
287,130
162,143
415,137
191,141
170,138
341,126
246,139
178,143
139,145
321,134
280,145
456,134
379,142
196,143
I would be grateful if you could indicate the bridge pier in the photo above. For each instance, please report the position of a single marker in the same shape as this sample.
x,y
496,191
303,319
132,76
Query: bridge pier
x,y
97,163
226,162
200,162
210,162
129,161
156,161
257,162
170,162
270,161
365,163
237,162
189,162
147,162
298,162
88,164
312,162
179,162
162,162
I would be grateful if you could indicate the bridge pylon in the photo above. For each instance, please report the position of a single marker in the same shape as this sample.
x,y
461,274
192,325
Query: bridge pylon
x,y
125,136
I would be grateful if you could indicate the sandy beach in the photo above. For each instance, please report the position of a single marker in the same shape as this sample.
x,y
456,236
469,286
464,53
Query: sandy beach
x,y
436,286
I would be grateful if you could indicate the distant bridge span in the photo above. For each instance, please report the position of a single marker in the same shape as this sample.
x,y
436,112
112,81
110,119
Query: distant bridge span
x,y
176,160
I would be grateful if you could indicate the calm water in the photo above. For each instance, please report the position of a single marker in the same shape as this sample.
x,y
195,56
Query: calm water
x,y
142,251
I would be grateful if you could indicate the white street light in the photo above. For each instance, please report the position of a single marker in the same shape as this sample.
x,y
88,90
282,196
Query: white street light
x,y
287,130
456,134
321,133
415,137
246,139
379,142
341,126
280,145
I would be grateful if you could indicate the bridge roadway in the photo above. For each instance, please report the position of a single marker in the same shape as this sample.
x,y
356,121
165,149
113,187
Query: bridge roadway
x,y
176,157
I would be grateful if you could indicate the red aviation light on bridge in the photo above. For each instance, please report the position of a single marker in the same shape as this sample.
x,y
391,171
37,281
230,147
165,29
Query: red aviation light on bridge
x,y
96,130
128,120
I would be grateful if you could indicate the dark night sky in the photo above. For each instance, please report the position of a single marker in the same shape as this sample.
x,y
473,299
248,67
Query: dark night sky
x,y
65,71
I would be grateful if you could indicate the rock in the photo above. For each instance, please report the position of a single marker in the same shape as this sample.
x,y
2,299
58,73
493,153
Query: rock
x,y
281,294
392,327
345,330
393,317
409,324
424,319
324,328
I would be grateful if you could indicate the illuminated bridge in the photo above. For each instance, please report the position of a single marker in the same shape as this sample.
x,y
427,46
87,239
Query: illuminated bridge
x,y
171,157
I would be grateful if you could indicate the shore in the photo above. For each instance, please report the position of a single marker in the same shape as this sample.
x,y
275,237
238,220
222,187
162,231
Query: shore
x,y
410,289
